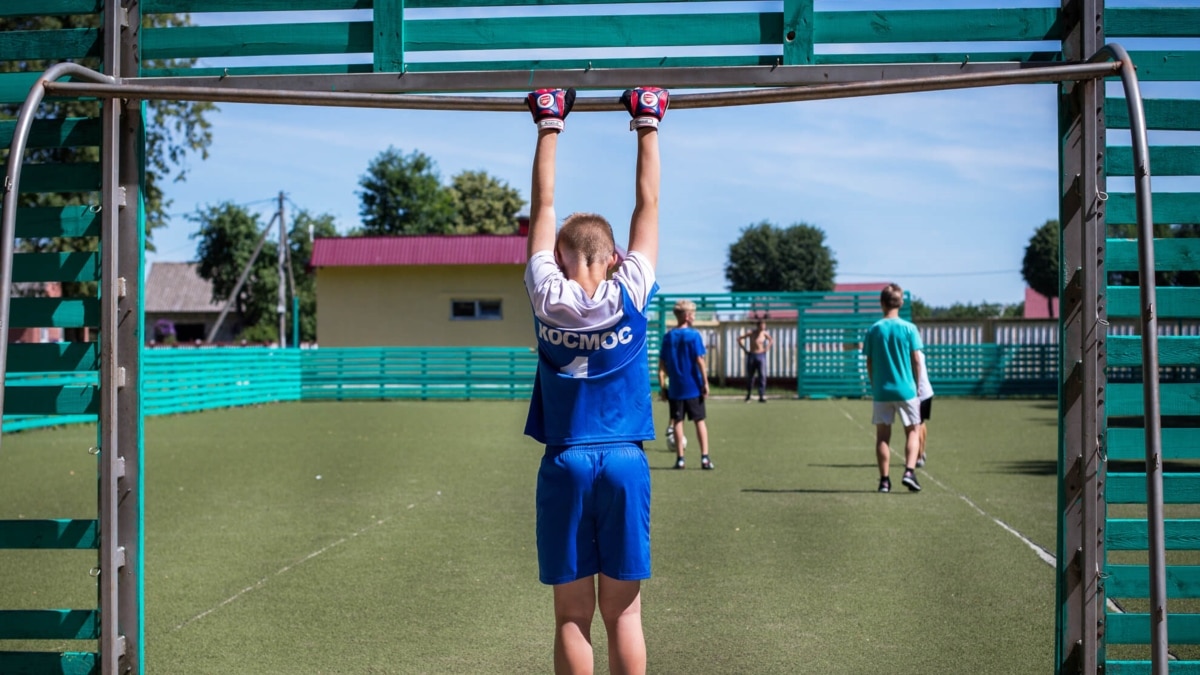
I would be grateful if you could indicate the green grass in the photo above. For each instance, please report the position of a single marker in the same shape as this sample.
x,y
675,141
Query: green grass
x,y
413,552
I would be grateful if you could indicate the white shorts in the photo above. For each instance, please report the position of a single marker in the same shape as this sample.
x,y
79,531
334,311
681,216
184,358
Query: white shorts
x,y
884,412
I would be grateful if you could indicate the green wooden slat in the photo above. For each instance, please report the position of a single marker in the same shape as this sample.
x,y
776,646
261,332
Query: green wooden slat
x,y
1131,581
388,18
57,221
1127,534
797,32
1130,444
257,40
441,4
1170,255
64,133
1151,23
56,267
199,6
1135,628
78,177
49,7
1173,302
942,25
44,534
49,624
1165,160
1161,114
260,70
1130,488
567,64
1125,400
54,313
51,401
67,44
1116,667
937,57
1166,66
1169,207
53,357
66,663
1173,350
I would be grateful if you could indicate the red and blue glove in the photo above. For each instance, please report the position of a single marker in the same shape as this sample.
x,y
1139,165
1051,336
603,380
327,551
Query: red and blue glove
x,y
646,105
550,107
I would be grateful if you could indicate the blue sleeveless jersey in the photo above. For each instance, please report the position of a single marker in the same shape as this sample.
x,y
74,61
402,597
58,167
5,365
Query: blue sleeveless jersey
x,y
592,386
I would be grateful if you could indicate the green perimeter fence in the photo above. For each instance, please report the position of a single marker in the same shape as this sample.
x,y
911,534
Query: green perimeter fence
x,y
186,380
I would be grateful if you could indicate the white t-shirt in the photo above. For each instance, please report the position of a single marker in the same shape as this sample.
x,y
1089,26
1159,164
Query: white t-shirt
x,y
924,388
562,303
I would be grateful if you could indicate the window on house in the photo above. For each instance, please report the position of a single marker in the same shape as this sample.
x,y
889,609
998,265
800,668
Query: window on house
x,y
469,310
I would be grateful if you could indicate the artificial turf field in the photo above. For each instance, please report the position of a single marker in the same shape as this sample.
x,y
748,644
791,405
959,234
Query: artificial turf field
x,y
397,537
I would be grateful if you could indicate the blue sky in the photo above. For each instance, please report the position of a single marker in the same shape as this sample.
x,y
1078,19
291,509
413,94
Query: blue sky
x,y
937,191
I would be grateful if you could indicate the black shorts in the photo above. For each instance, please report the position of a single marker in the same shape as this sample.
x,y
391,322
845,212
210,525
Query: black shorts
x,y
693,408
926,408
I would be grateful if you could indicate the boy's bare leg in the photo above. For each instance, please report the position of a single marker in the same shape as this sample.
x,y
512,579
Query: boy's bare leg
x,y
678,424
921,432
912,445
574,607
702,436
621,609
883,435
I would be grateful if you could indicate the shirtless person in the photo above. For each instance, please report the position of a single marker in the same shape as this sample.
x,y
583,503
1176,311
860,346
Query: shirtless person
x,y
756,343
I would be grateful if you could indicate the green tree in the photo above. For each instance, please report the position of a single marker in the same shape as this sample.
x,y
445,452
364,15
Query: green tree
x,y
227,236
300,242
174,130
485,204
769,258
1040,265
403,194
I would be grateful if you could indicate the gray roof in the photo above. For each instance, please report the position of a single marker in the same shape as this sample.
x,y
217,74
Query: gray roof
x,y
178,287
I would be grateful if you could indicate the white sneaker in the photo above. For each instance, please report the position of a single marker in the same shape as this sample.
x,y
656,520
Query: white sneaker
x,y
921,461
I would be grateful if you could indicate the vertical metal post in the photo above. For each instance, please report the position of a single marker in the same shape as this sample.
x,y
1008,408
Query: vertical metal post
x,y
1082,324
281,306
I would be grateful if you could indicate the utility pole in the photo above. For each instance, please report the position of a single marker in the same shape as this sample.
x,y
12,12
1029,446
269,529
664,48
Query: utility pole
x,y
281,307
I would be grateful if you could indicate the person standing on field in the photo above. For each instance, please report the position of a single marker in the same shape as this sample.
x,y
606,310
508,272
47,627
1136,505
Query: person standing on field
x,y
892,348
683,380
755,344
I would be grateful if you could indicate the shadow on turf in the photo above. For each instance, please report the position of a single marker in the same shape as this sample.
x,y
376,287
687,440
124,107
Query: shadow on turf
x,y
1029,467
804,491
845,466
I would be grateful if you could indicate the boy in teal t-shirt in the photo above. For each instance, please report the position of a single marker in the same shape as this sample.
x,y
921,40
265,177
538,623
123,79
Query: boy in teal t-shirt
x,y
891,348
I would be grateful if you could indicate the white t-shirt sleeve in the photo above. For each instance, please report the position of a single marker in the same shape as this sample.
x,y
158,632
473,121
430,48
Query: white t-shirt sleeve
x,y
637,274
560,302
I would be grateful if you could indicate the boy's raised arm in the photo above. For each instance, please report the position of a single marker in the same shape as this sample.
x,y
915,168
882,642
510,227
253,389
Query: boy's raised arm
x,y
549,108
646,105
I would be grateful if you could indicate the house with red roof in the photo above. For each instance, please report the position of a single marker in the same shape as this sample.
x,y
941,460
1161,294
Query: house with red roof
x,y
422,290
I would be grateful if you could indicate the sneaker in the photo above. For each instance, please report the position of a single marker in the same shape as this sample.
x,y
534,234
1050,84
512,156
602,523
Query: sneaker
x,y
747,399
921,461
679,463
762,400
885,484
910,481
705,462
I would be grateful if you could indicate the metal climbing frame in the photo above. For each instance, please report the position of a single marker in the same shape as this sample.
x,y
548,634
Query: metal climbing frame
x,y
1088,62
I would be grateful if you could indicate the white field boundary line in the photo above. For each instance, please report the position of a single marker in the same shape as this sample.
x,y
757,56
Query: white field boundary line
x,y
289,567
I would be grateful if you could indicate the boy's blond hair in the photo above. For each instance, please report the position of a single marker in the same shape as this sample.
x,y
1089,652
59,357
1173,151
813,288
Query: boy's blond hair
x,y
683,308
891,297
589,235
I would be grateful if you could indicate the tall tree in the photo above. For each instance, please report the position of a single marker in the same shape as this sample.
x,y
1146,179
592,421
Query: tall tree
x,y
403,194
485,204
1040,265
304,228
769,258
227,236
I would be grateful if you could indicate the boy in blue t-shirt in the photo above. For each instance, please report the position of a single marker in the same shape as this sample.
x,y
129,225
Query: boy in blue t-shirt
x,y
892,347
591,402
683,380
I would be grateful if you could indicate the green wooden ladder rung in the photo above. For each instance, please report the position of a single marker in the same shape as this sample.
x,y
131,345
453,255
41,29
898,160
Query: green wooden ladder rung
x,y
1134,629
49,624
1170,255
53,357
1130,443
51,400
45,178
1169,207
1175,399
1133,581
61,533
1129,534
59,663
72,132
54,313
1172,302
79,266
1144,667
43,222
1130,488
1173,350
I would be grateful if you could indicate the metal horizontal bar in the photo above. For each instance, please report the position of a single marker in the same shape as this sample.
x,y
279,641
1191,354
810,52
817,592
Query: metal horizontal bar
x,y
332,92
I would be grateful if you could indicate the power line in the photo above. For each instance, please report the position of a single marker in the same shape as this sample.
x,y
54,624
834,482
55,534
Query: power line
x,y
928,275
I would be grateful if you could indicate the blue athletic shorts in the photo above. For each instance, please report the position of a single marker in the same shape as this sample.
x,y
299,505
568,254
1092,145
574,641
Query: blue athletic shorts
x,y
593,513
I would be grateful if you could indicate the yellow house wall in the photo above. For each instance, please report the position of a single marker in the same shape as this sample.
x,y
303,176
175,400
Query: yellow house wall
x,y
410,306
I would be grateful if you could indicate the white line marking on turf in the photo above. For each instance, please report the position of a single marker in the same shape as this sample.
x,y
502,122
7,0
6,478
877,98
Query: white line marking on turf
x,y
285,569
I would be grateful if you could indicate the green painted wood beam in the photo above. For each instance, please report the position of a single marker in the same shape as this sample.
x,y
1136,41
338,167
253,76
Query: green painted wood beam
x,y
939,25
260,70
1132,581
797,32
257,40
64,663
1173,302
45,178
1165,160
1153,22
937,57
633,62
49,7
1132,628
1173,350
1170,255
54,313
1169,207
49,624
49,534
51,357
57,221
1165,66
1161,114
51,400
50,133
1121,667
200,6
56,267
1175,399
1129,534
388,18
65,44
1130,488
1130,443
